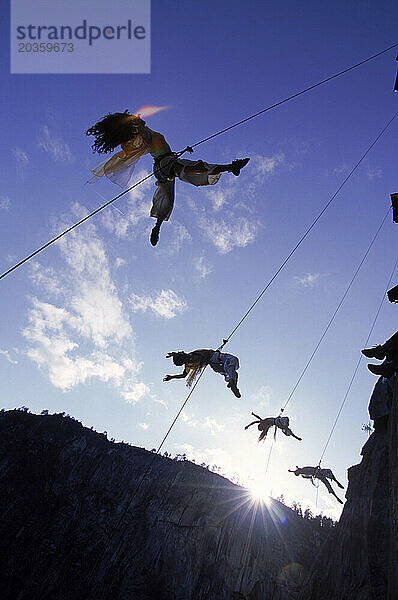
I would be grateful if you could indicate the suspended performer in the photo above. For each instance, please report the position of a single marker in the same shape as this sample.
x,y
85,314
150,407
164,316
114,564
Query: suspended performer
x,y
136,139
321,474
194,363
264,425
387,351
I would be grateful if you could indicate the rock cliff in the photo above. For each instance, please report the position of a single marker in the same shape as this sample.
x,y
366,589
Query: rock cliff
x,y
76,524
359,560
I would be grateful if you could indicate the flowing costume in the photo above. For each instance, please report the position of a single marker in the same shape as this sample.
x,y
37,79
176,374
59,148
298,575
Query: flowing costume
x,y
120,168
220,362
164,171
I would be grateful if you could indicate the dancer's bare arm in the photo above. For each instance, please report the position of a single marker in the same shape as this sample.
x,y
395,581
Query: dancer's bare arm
x,y
252,423
180,376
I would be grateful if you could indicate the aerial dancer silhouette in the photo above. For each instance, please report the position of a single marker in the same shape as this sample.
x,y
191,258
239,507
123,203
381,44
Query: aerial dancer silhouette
x,y
136,139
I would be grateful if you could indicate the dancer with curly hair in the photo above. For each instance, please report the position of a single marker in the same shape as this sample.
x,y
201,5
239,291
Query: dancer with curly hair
x,y
136,139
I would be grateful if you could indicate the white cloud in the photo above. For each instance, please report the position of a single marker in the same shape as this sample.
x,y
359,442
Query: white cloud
x,y
160,401
22,161
120,262
232,222
87,336
7,356
164,304
210,456
58,149
201,267
144,426
180,234
188,420
339,170
262,398
136,215
374,172
209,423
5,203
214,427
136,221
228,233
135,391
266,165
308,280
45,278
218,198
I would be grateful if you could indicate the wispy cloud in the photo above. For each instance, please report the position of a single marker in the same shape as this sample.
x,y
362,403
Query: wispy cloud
x,y
261,397
218,198
209,456
7,356
52,144
309,280
214,427
374,172
209,423
229,233
164,304
86,335
338,170
267,165
135,219
231,221
188,420
120,262
22,161
5,203
179,235
202,267
45,278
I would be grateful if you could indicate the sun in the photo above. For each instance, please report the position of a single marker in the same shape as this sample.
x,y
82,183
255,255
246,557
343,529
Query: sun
x,y
259,492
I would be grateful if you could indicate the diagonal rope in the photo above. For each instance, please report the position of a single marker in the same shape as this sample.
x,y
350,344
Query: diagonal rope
x,y
81,221
358,364
135,491
225,341
329,324
331,320
189,149
304,91
310,228
250,308
269,457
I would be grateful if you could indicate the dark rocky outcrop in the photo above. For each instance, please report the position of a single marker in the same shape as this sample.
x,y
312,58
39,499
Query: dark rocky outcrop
x,y
360,560
75,525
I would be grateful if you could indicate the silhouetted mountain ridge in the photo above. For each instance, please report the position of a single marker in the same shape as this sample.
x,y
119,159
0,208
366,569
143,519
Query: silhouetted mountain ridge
x,y
75,526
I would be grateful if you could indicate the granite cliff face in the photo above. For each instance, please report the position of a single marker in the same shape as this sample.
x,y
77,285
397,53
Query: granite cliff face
x,y
360,560
74,525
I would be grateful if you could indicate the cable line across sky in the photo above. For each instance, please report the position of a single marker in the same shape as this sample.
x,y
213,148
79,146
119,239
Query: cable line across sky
x,y
122,517
206,139
325,331
225,341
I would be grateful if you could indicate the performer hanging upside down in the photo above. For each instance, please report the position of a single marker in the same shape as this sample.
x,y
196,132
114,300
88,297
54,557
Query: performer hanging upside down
x,y
264,425
195,362
136,139
321,474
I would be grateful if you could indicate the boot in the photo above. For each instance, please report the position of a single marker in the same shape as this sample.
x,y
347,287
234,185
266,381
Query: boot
x,y
238,164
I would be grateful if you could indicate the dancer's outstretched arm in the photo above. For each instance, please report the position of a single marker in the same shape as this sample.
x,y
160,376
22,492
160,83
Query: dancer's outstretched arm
x,y
252,423
180,376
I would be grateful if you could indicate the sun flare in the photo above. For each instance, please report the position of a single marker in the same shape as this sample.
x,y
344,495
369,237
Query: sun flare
x,y
259,492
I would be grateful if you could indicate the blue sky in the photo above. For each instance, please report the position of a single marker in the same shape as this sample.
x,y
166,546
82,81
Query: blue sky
x,y
86,325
